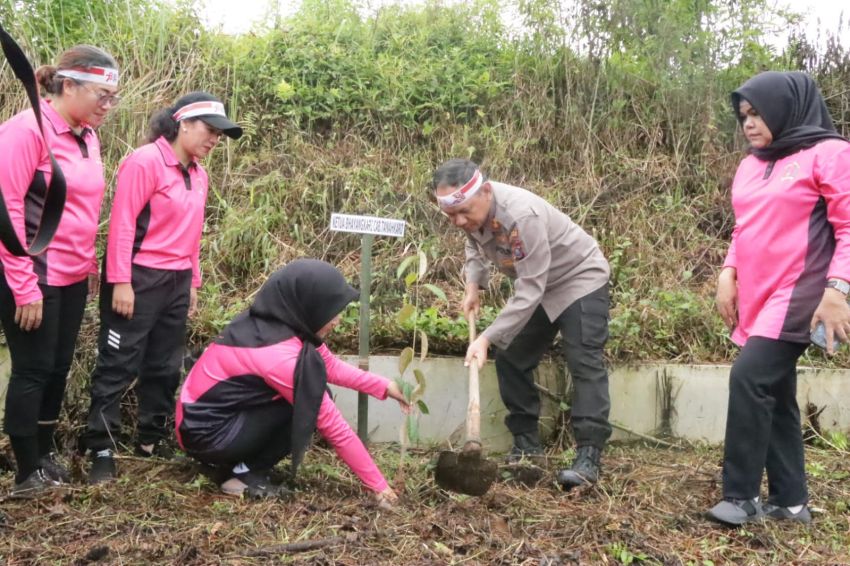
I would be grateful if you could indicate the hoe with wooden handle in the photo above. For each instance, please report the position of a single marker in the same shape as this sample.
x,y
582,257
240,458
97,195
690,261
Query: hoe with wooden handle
x,y
468,471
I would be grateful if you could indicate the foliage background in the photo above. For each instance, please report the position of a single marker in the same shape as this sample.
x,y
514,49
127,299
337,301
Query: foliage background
x,y
616,111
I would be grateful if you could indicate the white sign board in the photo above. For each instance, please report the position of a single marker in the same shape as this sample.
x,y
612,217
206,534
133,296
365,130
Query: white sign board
x,y
367,225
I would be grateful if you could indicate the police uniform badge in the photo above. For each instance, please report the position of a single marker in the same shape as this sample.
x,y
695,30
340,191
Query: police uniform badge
x,y
517,248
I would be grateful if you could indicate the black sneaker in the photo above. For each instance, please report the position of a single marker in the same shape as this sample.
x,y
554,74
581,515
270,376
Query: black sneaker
x,y
777,513
736,511
54,470
526,445
253,485
585,468
160,450
102,467
36,484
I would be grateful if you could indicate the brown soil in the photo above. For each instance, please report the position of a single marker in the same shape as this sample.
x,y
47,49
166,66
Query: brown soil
x,y
647,510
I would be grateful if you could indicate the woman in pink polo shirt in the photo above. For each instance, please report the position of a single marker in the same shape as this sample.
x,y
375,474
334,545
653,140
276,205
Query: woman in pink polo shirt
x,y
152,275
787,270
42,298
259,391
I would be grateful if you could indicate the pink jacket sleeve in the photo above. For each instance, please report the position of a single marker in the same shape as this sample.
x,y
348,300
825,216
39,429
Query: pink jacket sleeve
x,y
22,153
834,180
331,424
196,251
196,265
346,375
348,446
95,264
136,184
731,259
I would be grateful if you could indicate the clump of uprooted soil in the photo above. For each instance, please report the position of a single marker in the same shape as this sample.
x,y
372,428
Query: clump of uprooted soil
x,y
648,509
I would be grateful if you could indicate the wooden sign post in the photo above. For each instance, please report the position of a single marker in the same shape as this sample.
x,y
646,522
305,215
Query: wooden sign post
x,y
369,227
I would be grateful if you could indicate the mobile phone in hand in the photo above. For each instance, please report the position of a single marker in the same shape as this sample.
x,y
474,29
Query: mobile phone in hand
x,y
818,337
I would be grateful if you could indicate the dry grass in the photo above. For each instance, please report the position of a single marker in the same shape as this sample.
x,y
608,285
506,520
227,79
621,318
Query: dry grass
x,y
647,510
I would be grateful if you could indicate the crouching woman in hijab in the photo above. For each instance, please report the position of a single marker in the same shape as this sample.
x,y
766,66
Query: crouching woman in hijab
x,y
259,390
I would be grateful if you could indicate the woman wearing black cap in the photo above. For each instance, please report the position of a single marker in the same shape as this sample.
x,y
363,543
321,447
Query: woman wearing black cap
x,y
152,274
259,391
787,271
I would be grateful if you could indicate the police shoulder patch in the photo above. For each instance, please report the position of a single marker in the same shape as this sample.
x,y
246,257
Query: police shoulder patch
x,y
517,247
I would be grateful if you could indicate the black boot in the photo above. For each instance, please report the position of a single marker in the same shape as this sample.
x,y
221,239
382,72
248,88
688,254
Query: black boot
x,y
526,445
585,468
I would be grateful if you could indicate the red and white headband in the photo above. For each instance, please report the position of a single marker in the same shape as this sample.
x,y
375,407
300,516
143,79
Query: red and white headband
x,y
99,75
202,108
464,193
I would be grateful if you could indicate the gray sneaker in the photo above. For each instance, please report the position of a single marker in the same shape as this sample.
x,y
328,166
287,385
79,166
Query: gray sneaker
x,y
53,469
102,467
736,511
785,514
37,483
254,485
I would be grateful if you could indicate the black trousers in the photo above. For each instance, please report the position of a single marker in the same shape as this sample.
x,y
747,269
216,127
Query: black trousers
x,y
148,346
584,331
262,439
763,424
41,358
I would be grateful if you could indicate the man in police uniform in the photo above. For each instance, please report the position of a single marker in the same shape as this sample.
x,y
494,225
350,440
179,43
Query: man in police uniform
x,y
560,284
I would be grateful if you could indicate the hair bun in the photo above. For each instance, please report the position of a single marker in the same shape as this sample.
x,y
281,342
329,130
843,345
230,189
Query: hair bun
x,y
46,76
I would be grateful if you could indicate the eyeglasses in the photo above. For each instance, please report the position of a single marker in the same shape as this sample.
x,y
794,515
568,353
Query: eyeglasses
x,y
103,98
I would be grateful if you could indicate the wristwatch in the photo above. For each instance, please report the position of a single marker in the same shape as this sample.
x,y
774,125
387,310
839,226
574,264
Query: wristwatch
x,y
838,284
